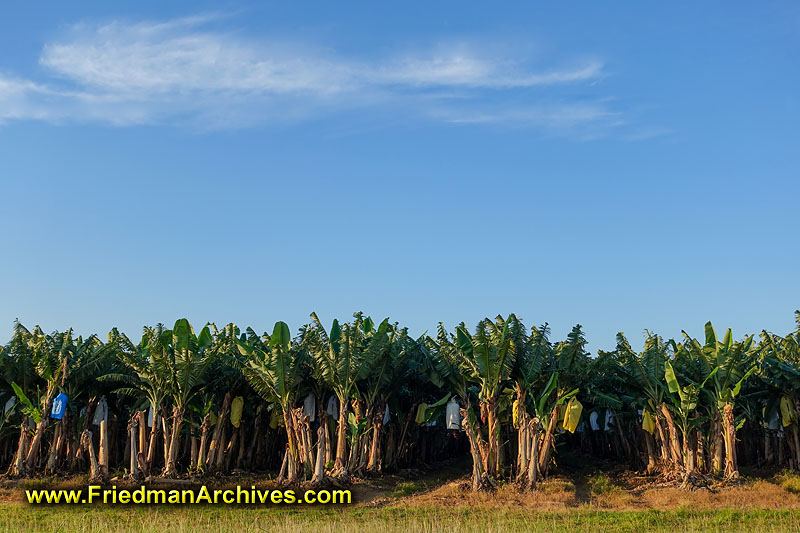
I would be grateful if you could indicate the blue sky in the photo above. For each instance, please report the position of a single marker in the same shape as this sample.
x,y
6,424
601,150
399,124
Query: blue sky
x,y
620,166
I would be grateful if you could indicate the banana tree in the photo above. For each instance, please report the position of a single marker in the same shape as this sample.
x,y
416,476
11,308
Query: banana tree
x,y
446,368
725,366
571,365
683,403
387,365
779,374
45,354
320,389
59,360
227,377
82,364
606,390
144,375
644,372
19,379
188,357
534,381
487,359
341,358
275,369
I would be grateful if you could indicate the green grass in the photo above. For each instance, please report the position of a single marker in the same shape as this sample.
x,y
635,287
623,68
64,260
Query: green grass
x,y
14,517
407,488
790,482
602,484
554,486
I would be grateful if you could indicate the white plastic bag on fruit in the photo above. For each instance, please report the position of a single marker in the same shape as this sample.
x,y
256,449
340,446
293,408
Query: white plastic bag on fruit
x,y
593,421
100,412
310,407
333,407
453,414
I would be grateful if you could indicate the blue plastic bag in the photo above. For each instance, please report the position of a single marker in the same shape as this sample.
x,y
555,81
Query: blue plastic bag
x,y
59,407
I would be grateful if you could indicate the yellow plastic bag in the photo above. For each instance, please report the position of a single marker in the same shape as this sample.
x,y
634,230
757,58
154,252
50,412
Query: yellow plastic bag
x,y
236,411
421,413
515,414
648,422
787,413
572,415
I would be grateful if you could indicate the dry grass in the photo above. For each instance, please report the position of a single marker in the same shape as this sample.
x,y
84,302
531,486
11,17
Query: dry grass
x,y
758,494
602,492
554,494
587,501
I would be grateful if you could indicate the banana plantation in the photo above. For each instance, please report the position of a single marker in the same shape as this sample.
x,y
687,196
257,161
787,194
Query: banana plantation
x,y
357,399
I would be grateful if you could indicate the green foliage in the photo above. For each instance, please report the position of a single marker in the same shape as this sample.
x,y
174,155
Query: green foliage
x,y
273,366
725,364
28,408
370,365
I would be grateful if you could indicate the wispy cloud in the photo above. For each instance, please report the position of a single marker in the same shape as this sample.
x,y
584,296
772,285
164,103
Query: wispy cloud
x,y
563,116
180,71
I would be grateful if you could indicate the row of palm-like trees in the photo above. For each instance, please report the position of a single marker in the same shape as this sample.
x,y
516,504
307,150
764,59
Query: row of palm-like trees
x,y
361,398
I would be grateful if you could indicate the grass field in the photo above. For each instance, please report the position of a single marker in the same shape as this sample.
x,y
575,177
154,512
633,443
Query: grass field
x,y
422,518
581,501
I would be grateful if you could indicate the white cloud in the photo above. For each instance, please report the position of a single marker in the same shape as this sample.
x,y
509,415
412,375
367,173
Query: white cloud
x,y
17,99
562,115
154,60
178,56
464,70
576,120
179,71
